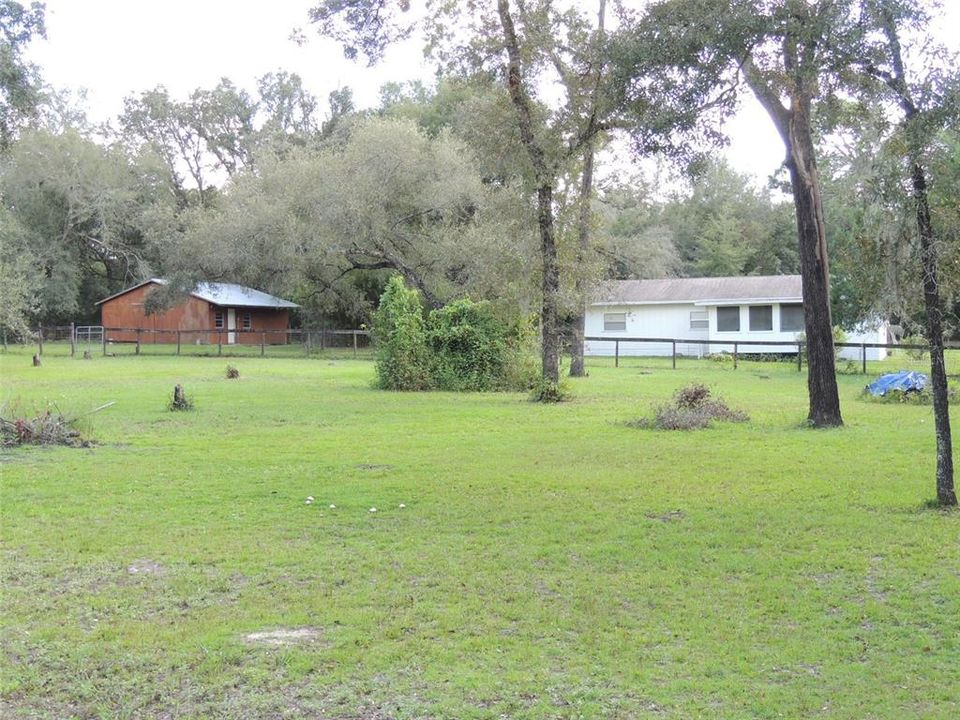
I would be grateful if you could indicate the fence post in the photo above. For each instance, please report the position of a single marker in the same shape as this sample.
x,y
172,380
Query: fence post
x,y
674,354
103,340
354,343
323,335
73,340
734,356
863,354
799,357
219,342
138,341
40,339
263,344
616,353
178,342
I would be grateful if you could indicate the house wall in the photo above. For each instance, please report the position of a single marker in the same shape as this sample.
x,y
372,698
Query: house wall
x,y
189,317
673,321
649,321
777,333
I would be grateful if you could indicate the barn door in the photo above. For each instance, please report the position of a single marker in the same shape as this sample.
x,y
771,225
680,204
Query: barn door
x,y
231,326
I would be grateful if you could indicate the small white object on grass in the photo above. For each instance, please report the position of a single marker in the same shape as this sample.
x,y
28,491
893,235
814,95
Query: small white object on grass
x,y
373,509
310,498
402,506
332,506
308,501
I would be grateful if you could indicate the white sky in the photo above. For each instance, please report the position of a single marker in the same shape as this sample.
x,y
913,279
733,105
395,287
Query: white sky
x,y
115,48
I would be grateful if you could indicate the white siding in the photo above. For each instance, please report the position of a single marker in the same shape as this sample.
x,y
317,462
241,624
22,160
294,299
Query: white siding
x,y
647,321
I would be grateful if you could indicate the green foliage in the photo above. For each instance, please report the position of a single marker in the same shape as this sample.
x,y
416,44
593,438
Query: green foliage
x,y
546,391
399,331
468,347
463,346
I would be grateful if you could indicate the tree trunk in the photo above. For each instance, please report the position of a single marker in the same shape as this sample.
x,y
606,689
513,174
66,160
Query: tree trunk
x,y
583,247
815,272
946,495
546,177
550,348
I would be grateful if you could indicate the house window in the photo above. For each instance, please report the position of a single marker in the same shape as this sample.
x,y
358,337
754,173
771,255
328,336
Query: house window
x,y
247,321
614,322
791,318
699,320
218,320
761,318
728,319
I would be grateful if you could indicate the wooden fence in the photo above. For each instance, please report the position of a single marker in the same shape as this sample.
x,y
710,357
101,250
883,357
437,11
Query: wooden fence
x,y
778,347
222,342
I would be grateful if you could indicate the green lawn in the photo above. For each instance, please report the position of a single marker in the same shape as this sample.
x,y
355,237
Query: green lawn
x,y
551,562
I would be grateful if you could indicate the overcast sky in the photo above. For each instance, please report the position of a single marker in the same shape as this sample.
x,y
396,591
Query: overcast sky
x,y
115,48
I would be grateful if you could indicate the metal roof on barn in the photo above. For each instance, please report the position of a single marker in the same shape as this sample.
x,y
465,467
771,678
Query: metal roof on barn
x,y
223,294
701,291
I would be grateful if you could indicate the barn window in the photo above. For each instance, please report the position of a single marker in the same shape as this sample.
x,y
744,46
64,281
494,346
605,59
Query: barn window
x,y
699,320
791,318
761,318
728,319
614,322
218,320
247,321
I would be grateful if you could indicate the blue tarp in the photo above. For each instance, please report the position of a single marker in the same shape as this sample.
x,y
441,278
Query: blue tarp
x,y
903,381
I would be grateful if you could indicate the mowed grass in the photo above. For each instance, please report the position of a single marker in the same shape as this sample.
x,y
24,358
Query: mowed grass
x,y
551,562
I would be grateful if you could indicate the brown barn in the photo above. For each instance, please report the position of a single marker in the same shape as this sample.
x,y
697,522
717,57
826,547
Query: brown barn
x,y
212,313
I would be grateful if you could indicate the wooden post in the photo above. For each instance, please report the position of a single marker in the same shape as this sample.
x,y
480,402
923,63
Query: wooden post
x,y
40,339
674,342
178,342
354,343
73,340
323,334
306,340
799,357
138,341
616,353
734,356
863,354
103,340
219,342
263,344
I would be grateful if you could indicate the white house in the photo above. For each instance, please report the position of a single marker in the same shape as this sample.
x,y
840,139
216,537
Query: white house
x,y
696,310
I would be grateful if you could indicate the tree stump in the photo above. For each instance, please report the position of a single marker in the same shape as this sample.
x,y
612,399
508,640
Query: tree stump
x,y
36,361
178,398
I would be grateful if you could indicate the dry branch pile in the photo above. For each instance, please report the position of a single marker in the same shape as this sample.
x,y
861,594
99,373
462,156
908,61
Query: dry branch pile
x,y
47,428
693,408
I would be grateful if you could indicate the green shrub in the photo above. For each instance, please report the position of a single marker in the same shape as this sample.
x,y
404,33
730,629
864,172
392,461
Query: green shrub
x,y
403,358
463,346
468,346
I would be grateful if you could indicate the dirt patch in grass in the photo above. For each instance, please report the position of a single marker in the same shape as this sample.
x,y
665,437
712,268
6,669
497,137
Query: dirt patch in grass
x,y
669,516
145,567
284,636
373,466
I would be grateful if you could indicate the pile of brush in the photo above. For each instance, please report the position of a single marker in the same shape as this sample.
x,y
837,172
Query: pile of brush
x,y
50,427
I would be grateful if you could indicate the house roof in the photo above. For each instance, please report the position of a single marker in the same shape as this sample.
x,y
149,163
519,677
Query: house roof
x,y
223,294
700,291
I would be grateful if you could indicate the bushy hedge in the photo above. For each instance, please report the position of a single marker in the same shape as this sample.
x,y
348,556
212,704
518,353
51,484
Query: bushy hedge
x,y
403,360
463,346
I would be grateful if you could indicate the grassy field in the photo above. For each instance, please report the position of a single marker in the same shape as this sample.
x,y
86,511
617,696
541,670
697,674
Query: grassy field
x,y
523,561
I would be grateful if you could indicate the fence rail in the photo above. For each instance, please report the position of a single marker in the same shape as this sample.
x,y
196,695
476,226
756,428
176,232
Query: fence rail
x,y
88,340
784,347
